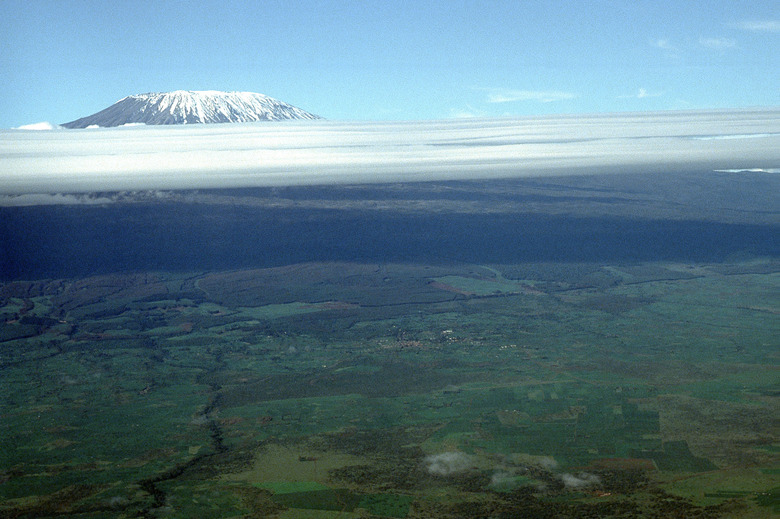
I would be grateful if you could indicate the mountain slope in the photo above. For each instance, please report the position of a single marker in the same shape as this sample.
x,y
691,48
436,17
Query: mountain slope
x,y
192,107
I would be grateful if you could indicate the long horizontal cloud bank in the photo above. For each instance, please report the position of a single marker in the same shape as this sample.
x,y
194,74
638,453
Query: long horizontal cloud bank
x,y
301,153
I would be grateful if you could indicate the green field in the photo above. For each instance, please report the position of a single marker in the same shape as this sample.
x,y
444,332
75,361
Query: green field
x,y
400,390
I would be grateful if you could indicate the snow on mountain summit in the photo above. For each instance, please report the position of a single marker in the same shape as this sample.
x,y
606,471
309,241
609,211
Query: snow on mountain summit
x,y
192,107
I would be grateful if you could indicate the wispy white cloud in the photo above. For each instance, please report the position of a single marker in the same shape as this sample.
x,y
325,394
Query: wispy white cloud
x,y
583,479
333,152
759,25
718,43
663,44
466,113
541,96
448,463
667,48
749,170
736,136
45,125
641,94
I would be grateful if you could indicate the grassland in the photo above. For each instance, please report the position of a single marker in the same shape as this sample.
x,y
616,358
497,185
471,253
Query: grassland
x,y
394,390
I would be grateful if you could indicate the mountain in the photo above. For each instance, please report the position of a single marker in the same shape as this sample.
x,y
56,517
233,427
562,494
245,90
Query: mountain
x,y
190,107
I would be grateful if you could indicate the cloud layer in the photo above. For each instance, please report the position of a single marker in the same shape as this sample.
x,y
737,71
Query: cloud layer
x,y
310,153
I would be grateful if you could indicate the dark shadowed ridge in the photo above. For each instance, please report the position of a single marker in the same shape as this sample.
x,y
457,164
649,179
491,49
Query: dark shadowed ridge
x,y
591,219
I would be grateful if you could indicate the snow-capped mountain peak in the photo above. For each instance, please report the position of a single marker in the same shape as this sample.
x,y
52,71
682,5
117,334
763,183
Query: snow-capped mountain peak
x,y
192,107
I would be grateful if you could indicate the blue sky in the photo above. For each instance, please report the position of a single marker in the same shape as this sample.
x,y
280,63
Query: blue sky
x,y
388,60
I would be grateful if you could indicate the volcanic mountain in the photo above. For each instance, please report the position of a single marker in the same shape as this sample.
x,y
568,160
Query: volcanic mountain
x,y
192,107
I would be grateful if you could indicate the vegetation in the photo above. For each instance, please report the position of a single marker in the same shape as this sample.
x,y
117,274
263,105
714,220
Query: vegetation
x,y
394,390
